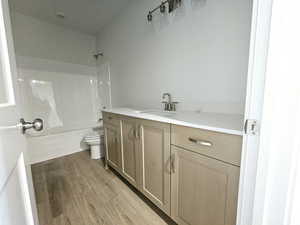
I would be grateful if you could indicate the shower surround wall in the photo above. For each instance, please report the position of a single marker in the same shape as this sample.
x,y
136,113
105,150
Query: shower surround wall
x,y
199,54
58,81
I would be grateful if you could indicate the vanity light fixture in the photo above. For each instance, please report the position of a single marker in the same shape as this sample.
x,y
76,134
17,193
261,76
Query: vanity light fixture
x,y
172,5
162,8
149,16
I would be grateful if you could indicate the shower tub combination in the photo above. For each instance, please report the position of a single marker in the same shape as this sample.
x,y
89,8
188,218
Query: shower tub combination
x,y
69,99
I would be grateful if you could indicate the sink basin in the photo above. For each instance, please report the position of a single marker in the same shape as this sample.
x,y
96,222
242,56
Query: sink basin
x,y
159,113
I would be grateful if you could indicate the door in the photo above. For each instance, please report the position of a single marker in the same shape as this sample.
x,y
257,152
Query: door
x,y
277,196
112,143
17,206
154,142
204,190
258,52
129,150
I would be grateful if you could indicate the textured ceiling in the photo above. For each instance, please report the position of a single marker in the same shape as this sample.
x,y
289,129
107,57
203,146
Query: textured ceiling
x,y
88,16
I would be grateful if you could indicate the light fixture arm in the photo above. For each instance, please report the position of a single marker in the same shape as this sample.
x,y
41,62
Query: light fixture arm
x,y
172,4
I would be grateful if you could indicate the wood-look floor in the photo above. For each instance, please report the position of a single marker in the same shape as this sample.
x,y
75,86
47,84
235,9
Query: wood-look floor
x,y
75,190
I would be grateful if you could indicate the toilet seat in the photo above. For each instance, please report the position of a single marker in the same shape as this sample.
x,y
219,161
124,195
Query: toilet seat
x,y
93,142
93,138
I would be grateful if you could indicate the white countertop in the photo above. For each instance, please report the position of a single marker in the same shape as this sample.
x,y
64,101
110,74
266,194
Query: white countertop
x,y
224,123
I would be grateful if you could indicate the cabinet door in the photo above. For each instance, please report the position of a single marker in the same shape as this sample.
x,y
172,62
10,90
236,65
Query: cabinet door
x,y
112,143
129,150
155,159
204,190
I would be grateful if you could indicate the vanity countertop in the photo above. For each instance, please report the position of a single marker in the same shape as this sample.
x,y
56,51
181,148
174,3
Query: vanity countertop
x,y
224,123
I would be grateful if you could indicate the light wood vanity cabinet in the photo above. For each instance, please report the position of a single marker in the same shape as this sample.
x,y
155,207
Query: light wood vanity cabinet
x,y
190,174
154,148
205,176
113,147
221,146
130,150
204,190
110,118
145,149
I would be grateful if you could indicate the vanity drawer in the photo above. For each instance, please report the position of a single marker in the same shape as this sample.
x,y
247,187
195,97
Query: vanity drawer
x,y
225,147
111,118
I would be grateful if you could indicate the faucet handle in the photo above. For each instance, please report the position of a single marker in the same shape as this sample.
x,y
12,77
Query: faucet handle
x,y
173,106
166,105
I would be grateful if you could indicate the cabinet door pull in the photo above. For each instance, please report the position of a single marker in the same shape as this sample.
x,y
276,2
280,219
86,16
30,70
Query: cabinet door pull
x,y
134,133
173,163
139,131
201,142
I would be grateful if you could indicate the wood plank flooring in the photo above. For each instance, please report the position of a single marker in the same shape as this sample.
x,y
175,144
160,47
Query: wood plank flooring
x,y
75,190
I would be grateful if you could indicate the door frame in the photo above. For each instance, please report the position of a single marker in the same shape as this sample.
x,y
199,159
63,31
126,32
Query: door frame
x,y
258,54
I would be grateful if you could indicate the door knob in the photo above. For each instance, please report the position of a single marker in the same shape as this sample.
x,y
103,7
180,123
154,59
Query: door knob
x,y
37,125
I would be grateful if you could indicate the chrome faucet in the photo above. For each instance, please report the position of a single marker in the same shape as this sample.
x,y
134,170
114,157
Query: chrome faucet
x,y
169,105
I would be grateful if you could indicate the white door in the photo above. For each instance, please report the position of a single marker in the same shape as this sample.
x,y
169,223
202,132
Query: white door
x,y
260,31
277,193
15,181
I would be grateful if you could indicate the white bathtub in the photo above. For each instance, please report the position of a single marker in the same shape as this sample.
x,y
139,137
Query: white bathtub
x,y
51,146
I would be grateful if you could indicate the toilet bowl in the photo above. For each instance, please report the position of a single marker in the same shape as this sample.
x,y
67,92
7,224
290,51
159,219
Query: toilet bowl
x,y
94,140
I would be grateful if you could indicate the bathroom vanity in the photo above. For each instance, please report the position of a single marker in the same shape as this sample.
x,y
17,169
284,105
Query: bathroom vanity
x,y
186,163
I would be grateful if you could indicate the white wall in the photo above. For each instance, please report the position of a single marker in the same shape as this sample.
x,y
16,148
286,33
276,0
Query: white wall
x,y
38,39
58,81
199,54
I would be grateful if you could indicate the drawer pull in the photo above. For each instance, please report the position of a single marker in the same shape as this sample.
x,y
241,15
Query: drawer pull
x,y
201,142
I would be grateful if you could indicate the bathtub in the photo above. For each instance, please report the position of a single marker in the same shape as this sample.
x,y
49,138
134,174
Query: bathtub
x,y
52,146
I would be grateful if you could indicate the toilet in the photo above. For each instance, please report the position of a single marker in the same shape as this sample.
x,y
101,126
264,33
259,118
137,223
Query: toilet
x,y
95,141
